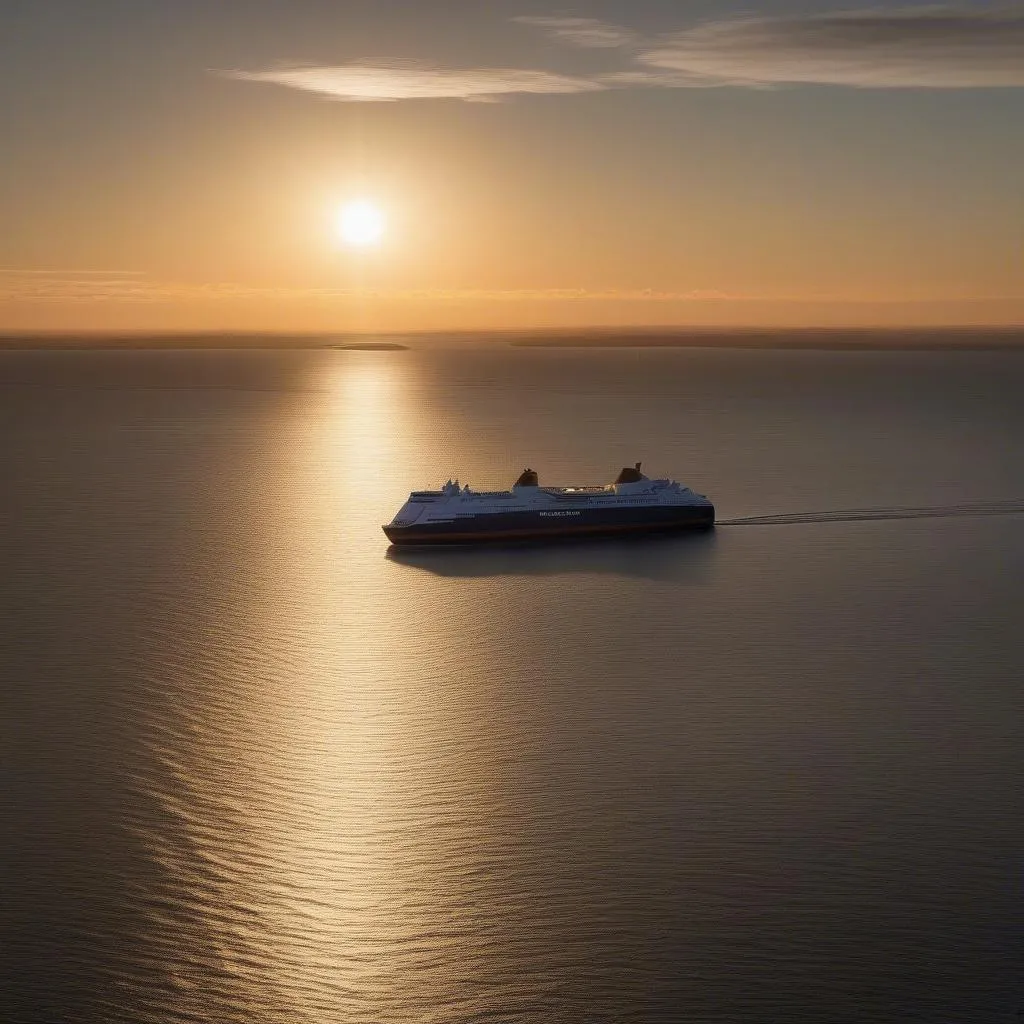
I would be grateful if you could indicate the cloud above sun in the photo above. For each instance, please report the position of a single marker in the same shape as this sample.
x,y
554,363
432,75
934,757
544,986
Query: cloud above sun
x,y
412,81
925,47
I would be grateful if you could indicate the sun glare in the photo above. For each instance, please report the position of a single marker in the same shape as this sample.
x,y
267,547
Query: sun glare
x,y
361,223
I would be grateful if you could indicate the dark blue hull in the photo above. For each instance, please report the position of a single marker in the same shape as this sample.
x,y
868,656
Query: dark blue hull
x,y
498,527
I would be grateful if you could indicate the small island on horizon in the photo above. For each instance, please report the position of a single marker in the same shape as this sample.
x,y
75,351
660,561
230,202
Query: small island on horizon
x,y
372,346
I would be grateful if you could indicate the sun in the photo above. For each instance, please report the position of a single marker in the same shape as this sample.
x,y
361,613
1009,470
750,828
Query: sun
x,y
361,223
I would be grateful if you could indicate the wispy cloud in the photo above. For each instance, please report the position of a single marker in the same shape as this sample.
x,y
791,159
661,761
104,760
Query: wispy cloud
x,y
100,287
932,46
35,272
31,285
937,47
410,81
39,301
586,32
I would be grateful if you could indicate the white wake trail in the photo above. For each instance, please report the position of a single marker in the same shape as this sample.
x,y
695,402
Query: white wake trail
x,y
851,515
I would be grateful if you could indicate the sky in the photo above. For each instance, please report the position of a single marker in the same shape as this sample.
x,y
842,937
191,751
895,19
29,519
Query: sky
x,y
179,165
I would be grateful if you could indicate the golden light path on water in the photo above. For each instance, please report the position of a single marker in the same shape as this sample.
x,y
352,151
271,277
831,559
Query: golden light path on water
x,y
353,830
412,804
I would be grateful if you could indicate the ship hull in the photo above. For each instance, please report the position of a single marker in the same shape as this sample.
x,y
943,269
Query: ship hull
x,y
503,527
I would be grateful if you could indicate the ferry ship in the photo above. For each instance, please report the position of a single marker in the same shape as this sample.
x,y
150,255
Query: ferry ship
x,y
632,504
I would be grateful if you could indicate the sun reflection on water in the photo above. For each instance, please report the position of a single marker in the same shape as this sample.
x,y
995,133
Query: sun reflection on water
x,y
393,841
347,783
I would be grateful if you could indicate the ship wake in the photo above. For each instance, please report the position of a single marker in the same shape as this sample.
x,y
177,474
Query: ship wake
x,y
852,515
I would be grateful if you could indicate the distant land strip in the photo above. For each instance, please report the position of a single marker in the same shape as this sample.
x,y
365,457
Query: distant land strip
x,y
979,338
234,340
811,339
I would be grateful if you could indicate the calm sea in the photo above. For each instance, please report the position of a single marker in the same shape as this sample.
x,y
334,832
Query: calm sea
x,y
258,769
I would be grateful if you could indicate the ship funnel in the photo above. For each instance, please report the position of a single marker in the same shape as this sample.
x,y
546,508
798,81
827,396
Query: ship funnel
x,y
528,478
629,476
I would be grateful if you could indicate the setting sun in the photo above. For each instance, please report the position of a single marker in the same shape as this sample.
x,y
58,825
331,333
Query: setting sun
x,y
361,223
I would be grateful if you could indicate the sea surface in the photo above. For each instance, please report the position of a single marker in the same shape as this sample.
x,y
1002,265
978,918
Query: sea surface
x,y
258,768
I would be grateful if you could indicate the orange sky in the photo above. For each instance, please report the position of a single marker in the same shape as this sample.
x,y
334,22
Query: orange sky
x,y
163,194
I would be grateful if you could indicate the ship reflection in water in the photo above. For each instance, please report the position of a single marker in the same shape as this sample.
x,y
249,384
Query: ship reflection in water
x,y
268,774
680,558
